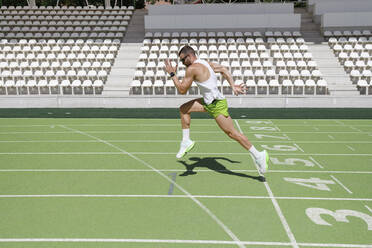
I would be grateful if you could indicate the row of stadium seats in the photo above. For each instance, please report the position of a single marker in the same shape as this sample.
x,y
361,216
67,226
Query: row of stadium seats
x,y
355,55
222,41
262,87
33,65
364,87
248,58
238,75
65,48
347,33
47,8
67,18
66,35
36,87
40,57
80,12
6,25
256,34
52,42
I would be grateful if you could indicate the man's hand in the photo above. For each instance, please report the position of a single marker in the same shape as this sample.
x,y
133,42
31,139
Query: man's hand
x,y
239,89
169,68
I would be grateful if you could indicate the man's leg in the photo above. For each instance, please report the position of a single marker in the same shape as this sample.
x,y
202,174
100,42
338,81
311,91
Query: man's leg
x,y
227,125
191,106
187,108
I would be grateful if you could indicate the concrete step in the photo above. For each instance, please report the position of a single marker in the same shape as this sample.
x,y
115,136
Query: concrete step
x,y
345,93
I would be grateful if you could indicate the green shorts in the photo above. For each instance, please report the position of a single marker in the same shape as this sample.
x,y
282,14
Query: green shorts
x,y
216,108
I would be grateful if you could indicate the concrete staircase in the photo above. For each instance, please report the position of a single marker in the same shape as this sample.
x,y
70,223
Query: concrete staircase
x,y
310,31
339,83
136,28
122,72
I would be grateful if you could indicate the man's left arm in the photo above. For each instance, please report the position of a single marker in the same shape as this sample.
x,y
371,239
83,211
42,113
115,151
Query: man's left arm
x,y
183,86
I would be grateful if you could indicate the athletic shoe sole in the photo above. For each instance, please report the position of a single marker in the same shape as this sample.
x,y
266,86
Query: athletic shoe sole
x,y
187,149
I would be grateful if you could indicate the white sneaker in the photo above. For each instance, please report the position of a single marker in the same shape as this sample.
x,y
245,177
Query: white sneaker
x,y
263,162
186,146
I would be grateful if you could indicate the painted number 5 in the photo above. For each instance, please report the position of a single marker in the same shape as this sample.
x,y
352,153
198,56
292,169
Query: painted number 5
x,y
339,215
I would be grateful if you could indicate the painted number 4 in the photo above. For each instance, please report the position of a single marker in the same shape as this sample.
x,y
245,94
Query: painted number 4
x,y
339,215
313,182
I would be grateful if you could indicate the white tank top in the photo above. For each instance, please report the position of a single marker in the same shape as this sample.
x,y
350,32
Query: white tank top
x,y
208,88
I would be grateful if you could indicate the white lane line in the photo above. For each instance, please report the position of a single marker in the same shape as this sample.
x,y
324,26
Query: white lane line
x,y
316,162
331,137
286,136
343,186
174,141
335,245
172,153
351,126
201,205
168,132
369,209
170,170
173,241
177,125
357,129
276,206
339,122
185,196
299,147
351,148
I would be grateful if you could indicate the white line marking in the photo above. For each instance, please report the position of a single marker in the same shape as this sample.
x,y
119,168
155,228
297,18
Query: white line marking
x,y
351,148
202,206
370,210
170,170
177,141
172,153
167,132
177,125
316,162
174,241
352,127
339,122
276,206
335,245
286,136
185,196
316,129
299,147
331,137
349,191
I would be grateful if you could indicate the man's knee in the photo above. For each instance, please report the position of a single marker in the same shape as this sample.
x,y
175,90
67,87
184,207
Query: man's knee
x,y
183,109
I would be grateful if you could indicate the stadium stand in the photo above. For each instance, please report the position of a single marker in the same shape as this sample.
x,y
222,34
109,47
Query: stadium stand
x,y
354,51
270,63
54,50
113,57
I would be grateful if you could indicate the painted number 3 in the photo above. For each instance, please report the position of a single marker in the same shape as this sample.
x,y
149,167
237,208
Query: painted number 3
x,y
339,215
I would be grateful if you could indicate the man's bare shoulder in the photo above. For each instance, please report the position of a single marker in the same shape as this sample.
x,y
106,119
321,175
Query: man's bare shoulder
x,y
194,68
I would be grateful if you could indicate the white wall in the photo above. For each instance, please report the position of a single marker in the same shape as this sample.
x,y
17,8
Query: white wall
x,y
342,6
311,3
218,9
321,8
346,19
214,22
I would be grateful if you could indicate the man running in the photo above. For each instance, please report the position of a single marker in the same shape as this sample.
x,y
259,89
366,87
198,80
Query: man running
x,y
203,73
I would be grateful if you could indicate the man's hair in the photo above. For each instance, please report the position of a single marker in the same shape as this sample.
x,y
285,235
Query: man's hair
x,y
186,50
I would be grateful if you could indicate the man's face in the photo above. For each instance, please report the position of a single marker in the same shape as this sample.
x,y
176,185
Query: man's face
x,y
185,59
